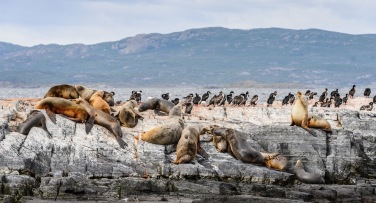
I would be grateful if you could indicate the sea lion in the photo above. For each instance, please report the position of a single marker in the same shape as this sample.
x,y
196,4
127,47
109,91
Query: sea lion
x,y
129,116
74,112
319,123
103,119
35,119
275,160
86,94
189,144
63,91
299,113
306,177
238,147
97,101
169,132
156,104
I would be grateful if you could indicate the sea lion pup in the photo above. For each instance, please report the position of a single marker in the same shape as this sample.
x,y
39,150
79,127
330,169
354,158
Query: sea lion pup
x,y
299,113
319,123
35,119
189,144
238,147
129,116
103,119
169,132
156,104
86,94
63,91
73,111
275,160
306,177
97,101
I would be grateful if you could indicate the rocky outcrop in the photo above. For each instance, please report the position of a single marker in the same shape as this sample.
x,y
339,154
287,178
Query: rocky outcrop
x,y
76,165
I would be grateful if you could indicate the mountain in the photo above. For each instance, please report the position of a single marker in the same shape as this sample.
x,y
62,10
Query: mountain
x,y
206,56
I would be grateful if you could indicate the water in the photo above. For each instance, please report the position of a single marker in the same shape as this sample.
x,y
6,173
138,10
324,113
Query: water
x,y
123,93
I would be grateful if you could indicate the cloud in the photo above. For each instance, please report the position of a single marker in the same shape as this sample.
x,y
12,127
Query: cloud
x,y
91,21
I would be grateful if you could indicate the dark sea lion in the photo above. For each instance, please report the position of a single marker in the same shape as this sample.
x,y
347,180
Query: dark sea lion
x,y
157,105
238,146
73,111
306,177
86,94
103,119
35,119
189,144
63,91
169,132
129,116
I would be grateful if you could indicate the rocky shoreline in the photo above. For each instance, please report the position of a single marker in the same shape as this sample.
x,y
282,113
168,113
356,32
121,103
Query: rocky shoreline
x,y
75,166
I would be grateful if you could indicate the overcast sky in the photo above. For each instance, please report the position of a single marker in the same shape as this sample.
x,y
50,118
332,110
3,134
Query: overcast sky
x,y
32,22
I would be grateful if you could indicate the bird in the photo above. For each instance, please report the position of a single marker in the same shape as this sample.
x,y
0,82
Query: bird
x,y
205,96
197,99
323,95
254,100
368,107
166,96
367,92
352,92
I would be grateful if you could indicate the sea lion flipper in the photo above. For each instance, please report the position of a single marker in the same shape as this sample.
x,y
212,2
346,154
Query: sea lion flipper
x,y
304,125
203,153
89,124
121,142
51,115
44,127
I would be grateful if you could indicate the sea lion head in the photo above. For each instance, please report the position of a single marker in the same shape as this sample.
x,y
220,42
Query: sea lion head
x,y
175,111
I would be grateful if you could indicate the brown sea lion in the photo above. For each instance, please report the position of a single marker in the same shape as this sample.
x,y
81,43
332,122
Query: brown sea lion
x,y
63,91
156,104
306,177
128,115
103,119
168,133
189,144
97,101
73,111
35,119
299,113
86,94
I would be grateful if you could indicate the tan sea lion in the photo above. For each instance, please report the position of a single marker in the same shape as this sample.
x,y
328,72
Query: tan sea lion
x,y
275,160
189,144
63,91
319,123
306,177
35,119
86,94
103,119
157,105
97,101
299,113
128,115
73,111
168,133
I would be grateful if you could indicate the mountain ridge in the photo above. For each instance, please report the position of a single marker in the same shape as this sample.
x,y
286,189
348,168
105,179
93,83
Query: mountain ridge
x,y
200,56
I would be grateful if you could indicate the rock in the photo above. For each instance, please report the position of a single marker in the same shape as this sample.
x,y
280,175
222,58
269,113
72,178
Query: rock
x,y
73,164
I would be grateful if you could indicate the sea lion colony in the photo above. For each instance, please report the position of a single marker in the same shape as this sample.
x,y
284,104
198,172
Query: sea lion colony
x,y
88,106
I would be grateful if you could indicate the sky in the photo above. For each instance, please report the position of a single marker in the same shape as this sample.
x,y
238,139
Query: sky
x,y
33,22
